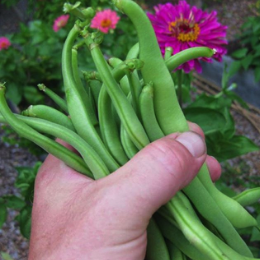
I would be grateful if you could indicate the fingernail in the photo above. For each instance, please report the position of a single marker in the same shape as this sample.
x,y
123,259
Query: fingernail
x,y
193,142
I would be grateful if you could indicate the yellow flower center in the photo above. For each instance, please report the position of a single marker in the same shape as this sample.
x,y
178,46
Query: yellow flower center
x,y
105,23
184,30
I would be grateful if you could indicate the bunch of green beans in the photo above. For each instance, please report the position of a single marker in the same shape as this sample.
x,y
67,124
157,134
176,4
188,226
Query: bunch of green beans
x,y
125,105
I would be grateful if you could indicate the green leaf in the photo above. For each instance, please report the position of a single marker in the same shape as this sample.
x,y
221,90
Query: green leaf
x,y
246,62
257,74
14,202
209,120
24,219
239,54
6,256
223,149
32,95
234,68
14,93
3,214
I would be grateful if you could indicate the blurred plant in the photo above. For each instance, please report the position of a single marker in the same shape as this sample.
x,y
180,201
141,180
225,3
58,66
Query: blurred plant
x,y
37,49
25,184
34,57
249,54
182,27
213,114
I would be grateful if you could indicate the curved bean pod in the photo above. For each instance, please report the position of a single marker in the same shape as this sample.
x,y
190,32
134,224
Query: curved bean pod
x,y
129,147
50,114
76,105
91,158
57,99
170,116
189,54
230,207
80,88
248,197
149,119
124,109
167,110
192,228
47,144
176,237
107,121
208,208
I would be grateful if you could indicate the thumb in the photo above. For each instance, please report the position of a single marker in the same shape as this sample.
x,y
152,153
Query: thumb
x,y
157,172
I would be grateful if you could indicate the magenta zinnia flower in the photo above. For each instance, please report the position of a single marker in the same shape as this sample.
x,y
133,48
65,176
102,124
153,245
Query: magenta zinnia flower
x,y
4,43
60,22
181,27
105,20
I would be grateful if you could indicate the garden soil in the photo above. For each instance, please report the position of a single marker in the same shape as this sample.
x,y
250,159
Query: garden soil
x,y
231,13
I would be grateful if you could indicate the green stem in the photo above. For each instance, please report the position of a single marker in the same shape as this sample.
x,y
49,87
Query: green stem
x,y
57,99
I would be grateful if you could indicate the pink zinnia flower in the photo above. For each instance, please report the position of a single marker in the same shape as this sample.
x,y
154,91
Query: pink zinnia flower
x,y
105,20
181,27
4,43
60,22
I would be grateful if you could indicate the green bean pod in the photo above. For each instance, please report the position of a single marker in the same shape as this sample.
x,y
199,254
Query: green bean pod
x,y
80,88
133,52
171,118
91,158
47,144
176,253
149,119
76,105
107,121
50,114
167,109
124,109
57,99
129,147
248,197
95,88
156,247
192,228
208,208
181,57
230,207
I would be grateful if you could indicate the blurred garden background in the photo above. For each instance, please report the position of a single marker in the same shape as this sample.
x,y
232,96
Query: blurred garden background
x,y
32,33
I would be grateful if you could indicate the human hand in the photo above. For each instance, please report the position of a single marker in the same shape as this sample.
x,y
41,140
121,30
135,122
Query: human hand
x,y
75,217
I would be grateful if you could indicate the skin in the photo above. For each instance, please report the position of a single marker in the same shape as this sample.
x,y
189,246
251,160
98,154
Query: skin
x,y
75,217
